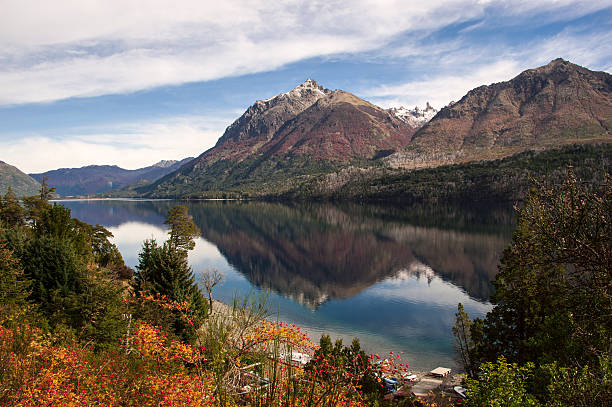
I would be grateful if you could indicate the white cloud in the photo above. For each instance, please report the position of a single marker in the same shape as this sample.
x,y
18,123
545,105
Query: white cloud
x,y
130,145
493,64
61,49
441,90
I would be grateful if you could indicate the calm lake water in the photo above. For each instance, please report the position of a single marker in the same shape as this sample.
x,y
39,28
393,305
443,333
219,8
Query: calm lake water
x,y
391,276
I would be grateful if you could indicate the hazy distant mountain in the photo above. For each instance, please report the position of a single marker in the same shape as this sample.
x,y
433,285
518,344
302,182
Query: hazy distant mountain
x,y
22,183
556,104
305,131
94,179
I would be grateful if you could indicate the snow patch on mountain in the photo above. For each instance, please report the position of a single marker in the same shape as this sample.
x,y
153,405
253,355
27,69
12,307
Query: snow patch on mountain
x,y
416,117
309,88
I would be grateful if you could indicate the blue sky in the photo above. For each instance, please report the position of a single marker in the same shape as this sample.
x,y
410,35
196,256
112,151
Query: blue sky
x,y
133,82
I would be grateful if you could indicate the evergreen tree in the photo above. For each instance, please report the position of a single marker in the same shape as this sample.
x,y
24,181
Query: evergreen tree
x,y
11,212
165,270
182,229
46,192
463,340
555,273
14,288
57,276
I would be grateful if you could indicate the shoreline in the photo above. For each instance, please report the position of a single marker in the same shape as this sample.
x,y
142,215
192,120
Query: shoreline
x,y
454,378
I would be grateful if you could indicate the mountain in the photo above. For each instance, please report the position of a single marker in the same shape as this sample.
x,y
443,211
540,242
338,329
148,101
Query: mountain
x,y
22,184
416,117
94,179
312,141
308,130
556,104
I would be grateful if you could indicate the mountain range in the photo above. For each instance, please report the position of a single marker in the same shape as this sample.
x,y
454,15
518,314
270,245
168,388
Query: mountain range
x,y
287,142
93,179
315,142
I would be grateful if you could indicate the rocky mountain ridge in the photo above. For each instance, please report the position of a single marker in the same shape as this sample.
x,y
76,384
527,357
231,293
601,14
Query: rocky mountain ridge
x,y
556,104
306,130
283,143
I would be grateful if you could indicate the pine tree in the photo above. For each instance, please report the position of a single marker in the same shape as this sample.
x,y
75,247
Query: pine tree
x,y
165,269
182,229
463,340
11,212
14,287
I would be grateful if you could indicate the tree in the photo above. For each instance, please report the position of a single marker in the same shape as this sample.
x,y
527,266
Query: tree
x,y
209,280
11,212
463,340
14,287
553,299
46,192
501,384
182,229
556,271
164,270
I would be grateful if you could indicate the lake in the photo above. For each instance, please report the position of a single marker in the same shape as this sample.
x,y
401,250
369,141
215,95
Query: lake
x,y
390,275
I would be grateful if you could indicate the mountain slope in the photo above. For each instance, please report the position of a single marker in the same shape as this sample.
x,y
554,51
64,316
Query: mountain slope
x,y
22,184
559,103
306,131
94,179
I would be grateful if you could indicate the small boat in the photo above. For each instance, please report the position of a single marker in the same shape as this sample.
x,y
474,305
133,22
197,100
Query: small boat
x,y
391,384
460,390
409,377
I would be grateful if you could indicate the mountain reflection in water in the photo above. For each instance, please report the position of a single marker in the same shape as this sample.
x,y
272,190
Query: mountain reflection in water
x,y
339,268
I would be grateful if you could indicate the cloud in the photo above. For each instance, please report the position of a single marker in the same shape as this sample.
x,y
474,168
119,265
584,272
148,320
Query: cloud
x,y
62,49
462,66
128,145
441,90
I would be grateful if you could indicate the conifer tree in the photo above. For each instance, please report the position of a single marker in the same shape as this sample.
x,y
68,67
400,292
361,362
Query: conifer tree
x,y
182,229
11,212
164,269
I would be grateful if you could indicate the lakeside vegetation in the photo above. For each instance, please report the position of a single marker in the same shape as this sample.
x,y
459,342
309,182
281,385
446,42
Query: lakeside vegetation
x,y
77,328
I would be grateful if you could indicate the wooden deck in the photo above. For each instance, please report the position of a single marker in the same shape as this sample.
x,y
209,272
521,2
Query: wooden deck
x,y
425,385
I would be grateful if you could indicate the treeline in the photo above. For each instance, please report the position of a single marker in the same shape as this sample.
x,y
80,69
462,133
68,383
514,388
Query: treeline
x,y
504,180
225,179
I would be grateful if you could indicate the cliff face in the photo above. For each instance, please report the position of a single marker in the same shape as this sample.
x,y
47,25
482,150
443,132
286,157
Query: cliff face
x,y
559,103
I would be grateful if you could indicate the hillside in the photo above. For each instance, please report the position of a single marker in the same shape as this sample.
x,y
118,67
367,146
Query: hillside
x,y
309,130
94,179
556,104
22,183
494,181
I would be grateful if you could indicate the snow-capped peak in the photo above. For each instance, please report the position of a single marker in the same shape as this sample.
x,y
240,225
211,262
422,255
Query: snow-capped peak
x,y
164,163
308,85
309,88
416,117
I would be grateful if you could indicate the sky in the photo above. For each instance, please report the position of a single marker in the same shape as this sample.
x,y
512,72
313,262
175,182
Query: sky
x,y
130,83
